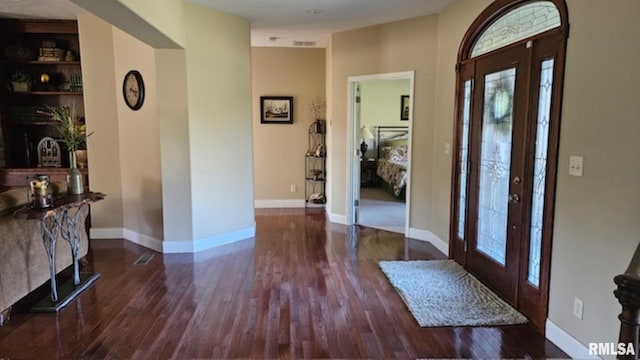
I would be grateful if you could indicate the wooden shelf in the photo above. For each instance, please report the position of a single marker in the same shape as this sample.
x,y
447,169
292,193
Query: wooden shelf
x,y
44,93
22,128
36,62
36,123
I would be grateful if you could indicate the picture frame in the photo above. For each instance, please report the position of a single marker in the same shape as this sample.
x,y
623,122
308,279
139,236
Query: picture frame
x,y
276,109
404,107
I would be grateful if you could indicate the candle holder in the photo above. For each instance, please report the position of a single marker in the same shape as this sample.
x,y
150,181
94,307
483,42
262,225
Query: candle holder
x,y
40,191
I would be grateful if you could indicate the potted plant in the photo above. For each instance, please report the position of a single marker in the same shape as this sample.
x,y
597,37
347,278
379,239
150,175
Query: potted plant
x,y
72,134
21,81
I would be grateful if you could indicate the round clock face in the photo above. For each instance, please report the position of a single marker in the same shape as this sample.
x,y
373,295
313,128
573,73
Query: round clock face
x,y
133,89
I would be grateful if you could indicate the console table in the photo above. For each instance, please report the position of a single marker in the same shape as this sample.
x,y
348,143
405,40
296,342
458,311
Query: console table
x,y
62,218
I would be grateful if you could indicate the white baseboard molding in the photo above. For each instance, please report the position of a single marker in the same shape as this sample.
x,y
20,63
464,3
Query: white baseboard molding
x,y
337,218
566,342
106,233
143,240
172,247
425,235
276,204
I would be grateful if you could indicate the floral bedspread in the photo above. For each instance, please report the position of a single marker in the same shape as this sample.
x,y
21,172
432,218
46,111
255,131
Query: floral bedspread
x,y
394,173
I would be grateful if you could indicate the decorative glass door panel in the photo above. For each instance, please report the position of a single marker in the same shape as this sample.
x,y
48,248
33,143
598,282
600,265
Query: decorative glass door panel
x,y
495,187
495,164
509,91
540,171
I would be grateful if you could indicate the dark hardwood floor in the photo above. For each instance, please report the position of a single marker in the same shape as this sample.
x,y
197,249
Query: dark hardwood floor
x,y
303,288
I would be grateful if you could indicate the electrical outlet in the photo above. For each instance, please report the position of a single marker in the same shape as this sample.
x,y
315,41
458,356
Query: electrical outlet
x,y
578,308
575,165
293,188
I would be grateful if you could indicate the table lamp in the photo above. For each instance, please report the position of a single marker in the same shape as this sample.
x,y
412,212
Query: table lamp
x,y
365,134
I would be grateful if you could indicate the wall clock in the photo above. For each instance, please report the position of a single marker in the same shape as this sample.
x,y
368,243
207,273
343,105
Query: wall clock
x,y
133,89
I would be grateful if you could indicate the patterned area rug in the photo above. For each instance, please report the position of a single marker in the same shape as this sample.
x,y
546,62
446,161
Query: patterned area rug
x,y
441,293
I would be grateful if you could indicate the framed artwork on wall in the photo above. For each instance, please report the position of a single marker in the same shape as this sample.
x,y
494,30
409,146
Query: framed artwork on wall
x,y
276,109
404,107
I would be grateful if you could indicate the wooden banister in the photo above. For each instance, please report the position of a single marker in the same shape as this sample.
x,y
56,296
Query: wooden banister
x,y
628,294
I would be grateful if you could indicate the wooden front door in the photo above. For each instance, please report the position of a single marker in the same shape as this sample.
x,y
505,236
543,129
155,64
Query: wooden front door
x,y
498,139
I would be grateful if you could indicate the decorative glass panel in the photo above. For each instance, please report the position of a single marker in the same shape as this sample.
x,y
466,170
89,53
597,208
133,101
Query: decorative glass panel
x,y
540,171
464,159
518,24
495,163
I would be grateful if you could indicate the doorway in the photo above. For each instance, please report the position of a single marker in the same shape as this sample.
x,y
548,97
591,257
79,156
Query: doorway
x,y
507,132
380,118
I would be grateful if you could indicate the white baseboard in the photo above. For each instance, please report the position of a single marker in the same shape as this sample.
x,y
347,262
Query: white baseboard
x,y
337,219
106,233
425,235
172,247
270,204
566,342
143,240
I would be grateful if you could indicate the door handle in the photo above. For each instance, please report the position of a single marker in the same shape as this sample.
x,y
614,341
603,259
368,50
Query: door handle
x,y
514,198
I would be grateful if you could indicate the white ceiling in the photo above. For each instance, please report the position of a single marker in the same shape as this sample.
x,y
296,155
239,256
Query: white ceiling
x,y
273,22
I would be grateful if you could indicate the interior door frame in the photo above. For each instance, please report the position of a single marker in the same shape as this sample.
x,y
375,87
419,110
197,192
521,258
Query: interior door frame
x,y
353,155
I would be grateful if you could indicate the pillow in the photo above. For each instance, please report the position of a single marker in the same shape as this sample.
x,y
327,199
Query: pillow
x,y
395,153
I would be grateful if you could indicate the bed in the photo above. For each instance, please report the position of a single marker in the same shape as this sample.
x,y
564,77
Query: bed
x,y
392,145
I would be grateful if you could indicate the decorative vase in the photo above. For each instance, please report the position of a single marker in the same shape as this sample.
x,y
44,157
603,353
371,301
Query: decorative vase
x,y
75,184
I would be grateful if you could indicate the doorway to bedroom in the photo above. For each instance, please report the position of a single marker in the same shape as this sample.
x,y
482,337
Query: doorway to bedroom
x,y
381,127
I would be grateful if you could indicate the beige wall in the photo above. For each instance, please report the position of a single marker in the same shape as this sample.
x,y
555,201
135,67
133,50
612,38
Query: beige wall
x,y
124,149
386,48
103,147
380,104
139,140
278,150
218,58
203,118
596,219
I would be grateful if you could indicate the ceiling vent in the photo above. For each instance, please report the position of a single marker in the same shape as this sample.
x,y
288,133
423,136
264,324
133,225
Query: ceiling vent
x,y
304,43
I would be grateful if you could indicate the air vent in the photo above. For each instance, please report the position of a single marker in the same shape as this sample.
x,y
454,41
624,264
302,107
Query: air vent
x,y
304,43
143,259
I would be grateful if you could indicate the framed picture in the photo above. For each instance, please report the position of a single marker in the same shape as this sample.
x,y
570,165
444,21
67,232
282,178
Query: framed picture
x,y
404,107
276,109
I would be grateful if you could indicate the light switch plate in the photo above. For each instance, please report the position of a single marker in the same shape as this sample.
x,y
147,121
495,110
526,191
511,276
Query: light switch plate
x,y
575,165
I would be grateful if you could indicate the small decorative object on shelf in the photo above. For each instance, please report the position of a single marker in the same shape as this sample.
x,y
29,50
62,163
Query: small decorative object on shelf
x,y
49,154
315,164
73,134
40,63
40,191
21,81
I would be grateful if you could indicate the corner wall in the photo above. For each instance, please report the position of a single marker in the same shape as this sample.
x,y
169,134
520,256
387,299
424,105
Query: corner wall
x,y
103,147
400,46
202,128
279,149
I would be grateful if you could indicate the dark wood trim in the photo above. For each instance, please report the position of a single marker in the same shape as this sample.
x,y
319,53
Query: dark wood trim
x,y
549,43
17,177
494,11
38,26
